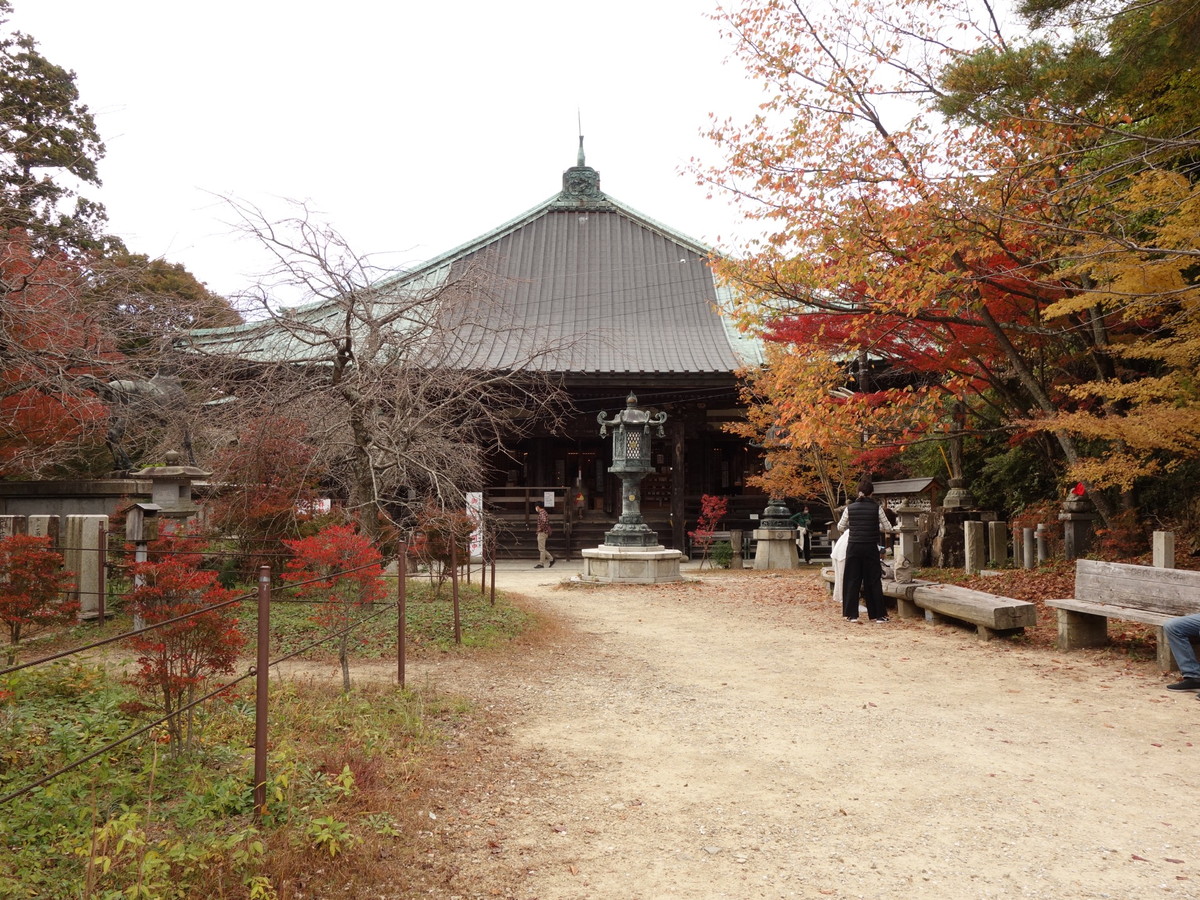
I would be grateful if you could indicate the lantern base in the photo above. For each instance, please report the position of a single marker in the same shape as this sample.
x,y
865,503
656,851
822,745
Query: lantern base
x,y
775,548
631,565
633,535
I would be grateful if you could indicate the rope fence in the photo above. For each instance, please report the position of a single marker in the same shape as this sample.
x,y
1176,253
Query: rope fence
x,y
260,670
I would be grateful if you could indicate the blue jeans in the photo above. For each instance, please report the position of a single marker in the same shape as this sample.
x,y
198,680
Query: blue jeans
x,y
1179,633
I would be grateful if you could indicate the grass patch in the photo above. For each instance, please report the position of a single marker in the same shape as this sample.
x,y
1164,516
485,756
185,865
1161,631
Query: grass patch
x,y
429,624
139,822
346,771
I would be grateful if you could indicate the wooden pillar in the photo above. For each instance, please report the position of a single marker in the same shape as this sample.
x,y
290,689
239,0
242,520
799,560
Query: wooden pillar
x,y
678,485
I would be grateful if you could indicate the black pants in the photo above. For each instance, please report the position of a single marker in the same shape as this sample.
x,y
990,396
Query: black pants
x,y
864,574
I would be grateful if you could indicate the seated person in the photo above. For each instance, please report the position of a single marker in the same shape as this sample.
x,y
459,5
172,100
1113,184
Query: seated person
x,y
1180,632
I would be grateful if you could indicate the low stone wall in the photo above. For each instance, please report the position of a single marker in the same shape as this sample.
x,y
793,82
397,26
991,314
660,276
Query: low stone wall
x,y
99,497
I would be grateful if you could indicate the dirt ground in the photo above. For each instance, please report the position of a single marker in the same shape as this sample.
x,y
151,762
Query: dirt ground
x,y
733,737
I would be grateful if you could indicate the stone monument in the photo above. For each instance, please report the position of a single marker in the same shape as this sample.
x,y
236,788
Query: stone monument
x,y
631,552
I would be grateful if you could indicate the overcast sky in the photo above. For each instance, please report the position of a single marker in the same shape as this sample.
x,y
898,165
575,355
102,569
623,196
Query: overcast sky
x,y
412,126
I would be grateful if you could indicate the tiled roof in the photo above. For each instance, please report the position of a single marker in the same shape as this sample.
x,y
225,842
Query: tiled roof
x,y
614,294
581,284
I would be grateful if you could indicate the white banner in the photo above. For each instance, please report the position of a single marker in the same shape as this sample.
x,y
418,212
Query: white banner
x,y
475,514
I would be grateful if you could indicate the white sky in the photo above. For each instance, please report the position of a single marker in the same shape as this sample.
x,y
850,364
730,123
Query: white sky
x,y
411,126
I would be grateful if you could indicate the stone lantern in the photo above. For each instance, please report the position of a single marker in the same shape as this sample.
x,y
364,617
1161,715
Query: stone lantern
x,y
171,490
631,428
1079,523
775,537
631,553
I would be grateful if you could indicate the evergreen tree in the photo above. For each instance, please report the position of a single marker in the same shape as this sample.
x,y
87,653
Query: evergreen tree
x,y
47,138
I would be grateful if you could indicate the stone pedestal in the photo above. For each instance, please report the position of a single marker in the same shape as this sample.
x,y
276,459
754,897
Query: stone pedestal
x,y
958,497
631,565
776,549
948,549
1079,519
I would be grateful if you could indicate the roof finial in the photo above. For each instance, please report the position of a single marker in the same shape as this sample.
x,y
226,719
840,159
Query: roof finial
x,y
579,117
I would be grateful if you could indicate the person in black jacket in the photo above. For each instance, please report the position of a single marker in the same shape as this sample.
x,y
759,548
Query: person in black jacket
x,y
867,523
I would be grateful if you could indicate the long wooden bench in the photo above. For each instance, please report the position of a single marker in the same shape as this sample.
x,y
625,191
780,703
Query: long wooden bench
x,y
1144,594
991,614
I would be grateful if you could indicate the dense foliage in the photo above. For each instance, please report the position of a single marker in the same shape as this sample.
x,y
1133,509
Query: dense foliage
x,y
976,239
88,382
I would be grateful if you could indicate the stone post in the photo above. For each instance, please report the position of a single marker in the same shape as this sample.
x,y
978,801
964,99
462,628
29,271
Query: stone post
x,y
997,533
33,526
906,546
736,561
81,555
973,547
1039,536
1018,548
1164,550
1029,551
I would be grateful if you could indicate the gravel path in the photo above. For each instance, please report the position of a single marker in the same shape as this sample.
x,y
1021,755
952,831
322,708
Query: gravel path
x,y
732,737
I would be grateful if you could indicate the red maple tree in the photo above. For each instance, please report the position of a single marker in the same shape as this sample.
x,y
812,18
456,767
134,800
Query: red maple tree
x,y
339,570
177,658
51,346
712,511
33,589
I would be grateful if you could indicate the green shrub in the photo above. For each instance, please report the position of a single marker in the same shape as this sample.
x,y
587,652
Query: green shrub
x,y
721,554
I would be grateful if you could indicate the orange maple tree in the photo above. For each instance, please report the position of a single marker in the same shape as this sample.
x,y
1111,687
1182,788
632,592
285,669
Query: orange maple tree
x,y
956,244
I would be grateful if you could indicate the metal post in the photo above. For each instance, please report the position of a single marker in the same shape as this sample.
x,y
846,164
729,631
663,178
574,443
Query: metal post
x,y
401,608
454,586
102,573
260,700
493,576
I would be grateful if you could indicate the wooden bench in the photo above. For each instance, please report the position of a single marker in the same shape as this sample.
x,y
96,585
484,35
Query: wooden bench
x,y
1144,594
991,614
